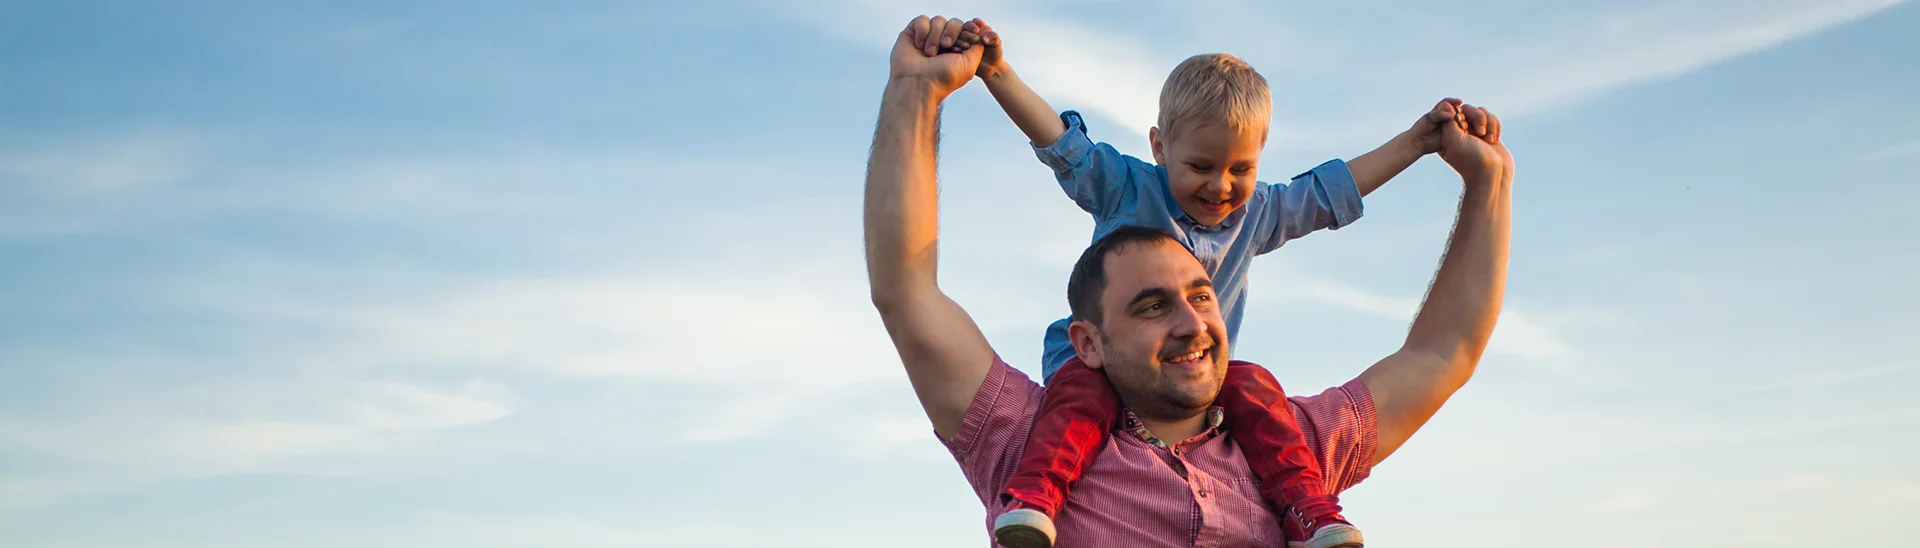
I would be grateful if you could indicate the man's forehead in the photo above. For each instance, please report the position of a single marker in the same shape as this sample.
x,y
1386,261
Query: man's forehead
x,y
1158,264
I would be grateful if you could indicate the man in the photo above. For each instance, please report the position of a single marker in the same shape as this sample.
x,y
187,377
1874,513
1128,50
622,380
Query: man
x,y
1169,479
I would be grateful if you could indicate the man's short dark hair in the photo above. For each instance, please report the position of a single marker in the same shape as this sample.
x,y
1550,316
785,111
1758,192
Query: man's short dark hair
x,y
1089,277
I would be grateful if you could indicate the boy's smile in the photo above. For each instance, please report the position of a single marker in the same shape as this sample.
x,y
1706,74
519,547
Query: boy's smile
x,y
1211,168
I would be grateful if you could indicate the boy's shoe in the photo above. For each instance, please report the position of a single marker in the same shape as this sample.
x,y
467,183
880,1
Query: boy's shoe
x,y
1315,522
1023,528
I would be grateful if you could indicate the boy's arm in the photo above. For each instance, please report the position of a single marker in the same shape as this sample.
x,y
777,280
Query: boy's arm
x,y
1096,176
1328,196
1325,197
1032,114
1376,167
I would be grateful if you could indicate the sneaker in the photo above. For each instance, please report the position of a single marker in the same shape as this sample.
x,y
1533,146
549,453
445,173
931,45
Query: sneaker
x,y
1023,528
1315,522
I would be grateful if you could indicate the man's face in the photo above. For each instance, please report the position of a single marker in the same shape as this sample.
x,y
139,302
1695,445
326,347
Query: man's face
x,y
1161,339
1211,169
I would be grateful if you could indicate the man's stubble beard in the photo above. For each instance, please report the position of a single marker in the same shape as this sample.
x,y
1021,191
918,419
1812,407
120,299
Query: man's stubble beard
x,y
1149,393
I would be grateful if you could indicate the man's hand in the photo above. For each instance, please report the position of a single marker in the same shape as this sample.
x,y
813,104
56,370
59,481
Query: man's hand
x,y
1471,145
918,56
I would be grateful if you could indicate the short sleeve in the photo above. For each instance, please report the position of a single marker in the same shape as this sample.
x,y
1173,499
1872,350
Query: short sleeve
x,y
993,433
1343,431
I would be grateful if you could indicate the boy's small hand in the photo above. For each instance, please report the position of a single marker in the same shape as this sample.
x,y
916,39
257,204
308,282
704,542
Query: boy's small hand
x,y
1426,132
979,32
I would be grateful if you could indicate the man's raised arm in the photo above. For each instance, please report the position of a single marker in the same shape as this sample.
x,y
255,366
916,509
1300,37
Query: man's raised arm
x,y
1455,321
946,356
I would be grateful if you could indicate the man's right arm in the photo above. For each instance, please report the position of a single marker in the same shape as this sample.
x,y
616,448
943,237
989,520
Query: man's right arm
x,y
1457,318
946,356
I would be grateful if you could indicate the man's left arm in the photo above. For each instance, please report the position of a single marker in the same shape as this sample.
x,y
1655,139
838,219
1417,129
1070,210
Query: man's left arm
x,y
1457,317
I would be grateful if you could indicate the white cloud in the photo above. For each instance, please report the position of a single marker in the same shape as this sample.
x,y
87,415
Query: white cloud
x,y
1895,151
1515,334
397,405
1825,379
1516,61
105,165
1562,65
1621,500
178,430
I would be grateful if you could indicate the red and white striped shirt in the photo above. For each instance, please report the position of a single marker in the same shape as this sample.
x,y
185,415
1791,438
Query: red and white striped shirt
x,y
1197,493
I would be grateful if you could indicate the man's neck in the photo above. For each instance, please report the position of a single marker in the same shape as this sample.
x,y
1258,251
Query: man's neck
x,y
1176,430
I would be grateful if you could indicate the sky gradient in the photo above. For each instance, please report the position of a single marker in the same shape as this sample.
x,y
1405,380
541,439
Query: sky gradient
x,y
589,274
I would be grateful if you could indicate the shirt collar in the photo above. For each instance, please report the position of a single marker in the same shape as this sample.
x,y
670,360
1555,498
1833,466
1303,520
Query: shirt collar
x,y
1216,416
1232,219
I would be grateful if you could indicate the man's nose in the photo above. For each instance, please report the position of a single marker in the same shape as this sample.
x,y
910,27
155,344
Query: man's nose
x,y
1190,322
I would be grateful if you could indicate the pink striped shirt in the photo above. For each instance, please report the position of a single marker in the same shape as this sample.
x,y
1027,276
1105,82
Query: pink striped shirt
x,y
1136,494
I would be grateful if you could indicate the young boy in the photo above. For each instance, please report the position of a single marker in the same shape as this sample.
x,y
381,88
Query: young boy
x,y
1214,113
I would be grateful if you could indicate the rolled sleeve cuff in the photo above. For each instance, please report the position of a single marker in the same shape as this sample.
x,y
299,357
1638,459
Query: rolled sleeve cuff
x,y
1073,146
1339,191
1366,417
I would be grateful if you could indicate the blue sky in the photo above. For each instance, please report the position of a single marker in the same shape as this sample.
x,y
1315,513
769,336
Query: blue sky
x,y
588,274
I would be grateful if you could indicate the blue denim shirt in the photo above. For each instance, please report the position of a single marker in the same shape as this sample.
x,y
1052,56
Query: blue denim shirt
x,y
1121,190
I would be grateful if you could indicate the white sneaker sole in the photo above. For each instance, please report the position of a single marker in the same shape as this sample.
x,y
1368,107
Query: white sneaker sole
x,y
1023,528
1336,536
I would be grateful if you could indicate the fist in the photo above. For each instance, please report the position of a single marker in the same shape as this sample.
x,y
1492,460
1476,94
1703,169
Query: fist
x,y
918,55
1471,145
978,32
1426,130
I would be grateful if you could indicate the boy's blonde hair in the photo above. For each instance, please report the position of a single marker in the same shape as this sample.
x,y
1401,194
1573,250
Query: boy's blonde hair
x,y
1218,88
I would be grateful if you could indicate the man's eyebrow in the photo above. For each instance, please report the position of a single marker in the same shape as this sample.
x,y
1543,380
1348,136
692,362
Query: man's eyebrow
x,y
1200,282
1150,293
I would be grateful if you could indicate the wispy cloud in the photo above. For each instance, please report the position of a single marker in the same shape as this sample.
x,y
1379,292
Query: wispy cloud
x,y
102,164
1520,65
1516,334
1825,379
1075,67
1660,41
165,432
1895,151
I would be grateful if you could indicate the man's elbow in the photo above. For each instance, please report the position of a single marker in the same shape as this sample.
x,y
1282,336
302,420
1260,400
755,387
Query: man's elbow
x,y
894,298
1452,365
886,301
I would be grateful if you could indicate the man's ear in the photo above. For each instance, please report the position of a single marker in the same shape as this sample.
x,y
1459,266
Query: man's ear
x,y
1085,338
1159,150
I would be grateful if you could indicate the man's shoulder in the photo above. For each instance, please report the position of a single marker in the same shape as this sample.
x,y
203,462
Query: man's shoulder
x,y
994,430
1007,396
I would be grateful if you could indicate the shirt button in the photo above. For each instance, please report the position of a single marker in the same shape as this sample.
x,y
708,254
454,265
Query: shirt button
x,y
1203,493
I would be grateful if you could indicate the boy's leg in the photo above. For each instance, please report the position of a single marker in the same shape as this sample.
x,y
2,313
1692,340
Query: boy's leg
x,y
1264,427
1076,414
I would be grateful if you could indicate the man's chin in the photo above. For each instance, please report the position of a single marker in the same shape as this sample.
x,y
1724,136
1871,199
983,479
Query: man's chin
x,y
1196,394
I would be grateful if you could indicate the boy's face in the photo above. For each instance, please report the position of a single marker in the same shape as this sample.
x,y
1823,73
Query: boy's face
x,y
1211,168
